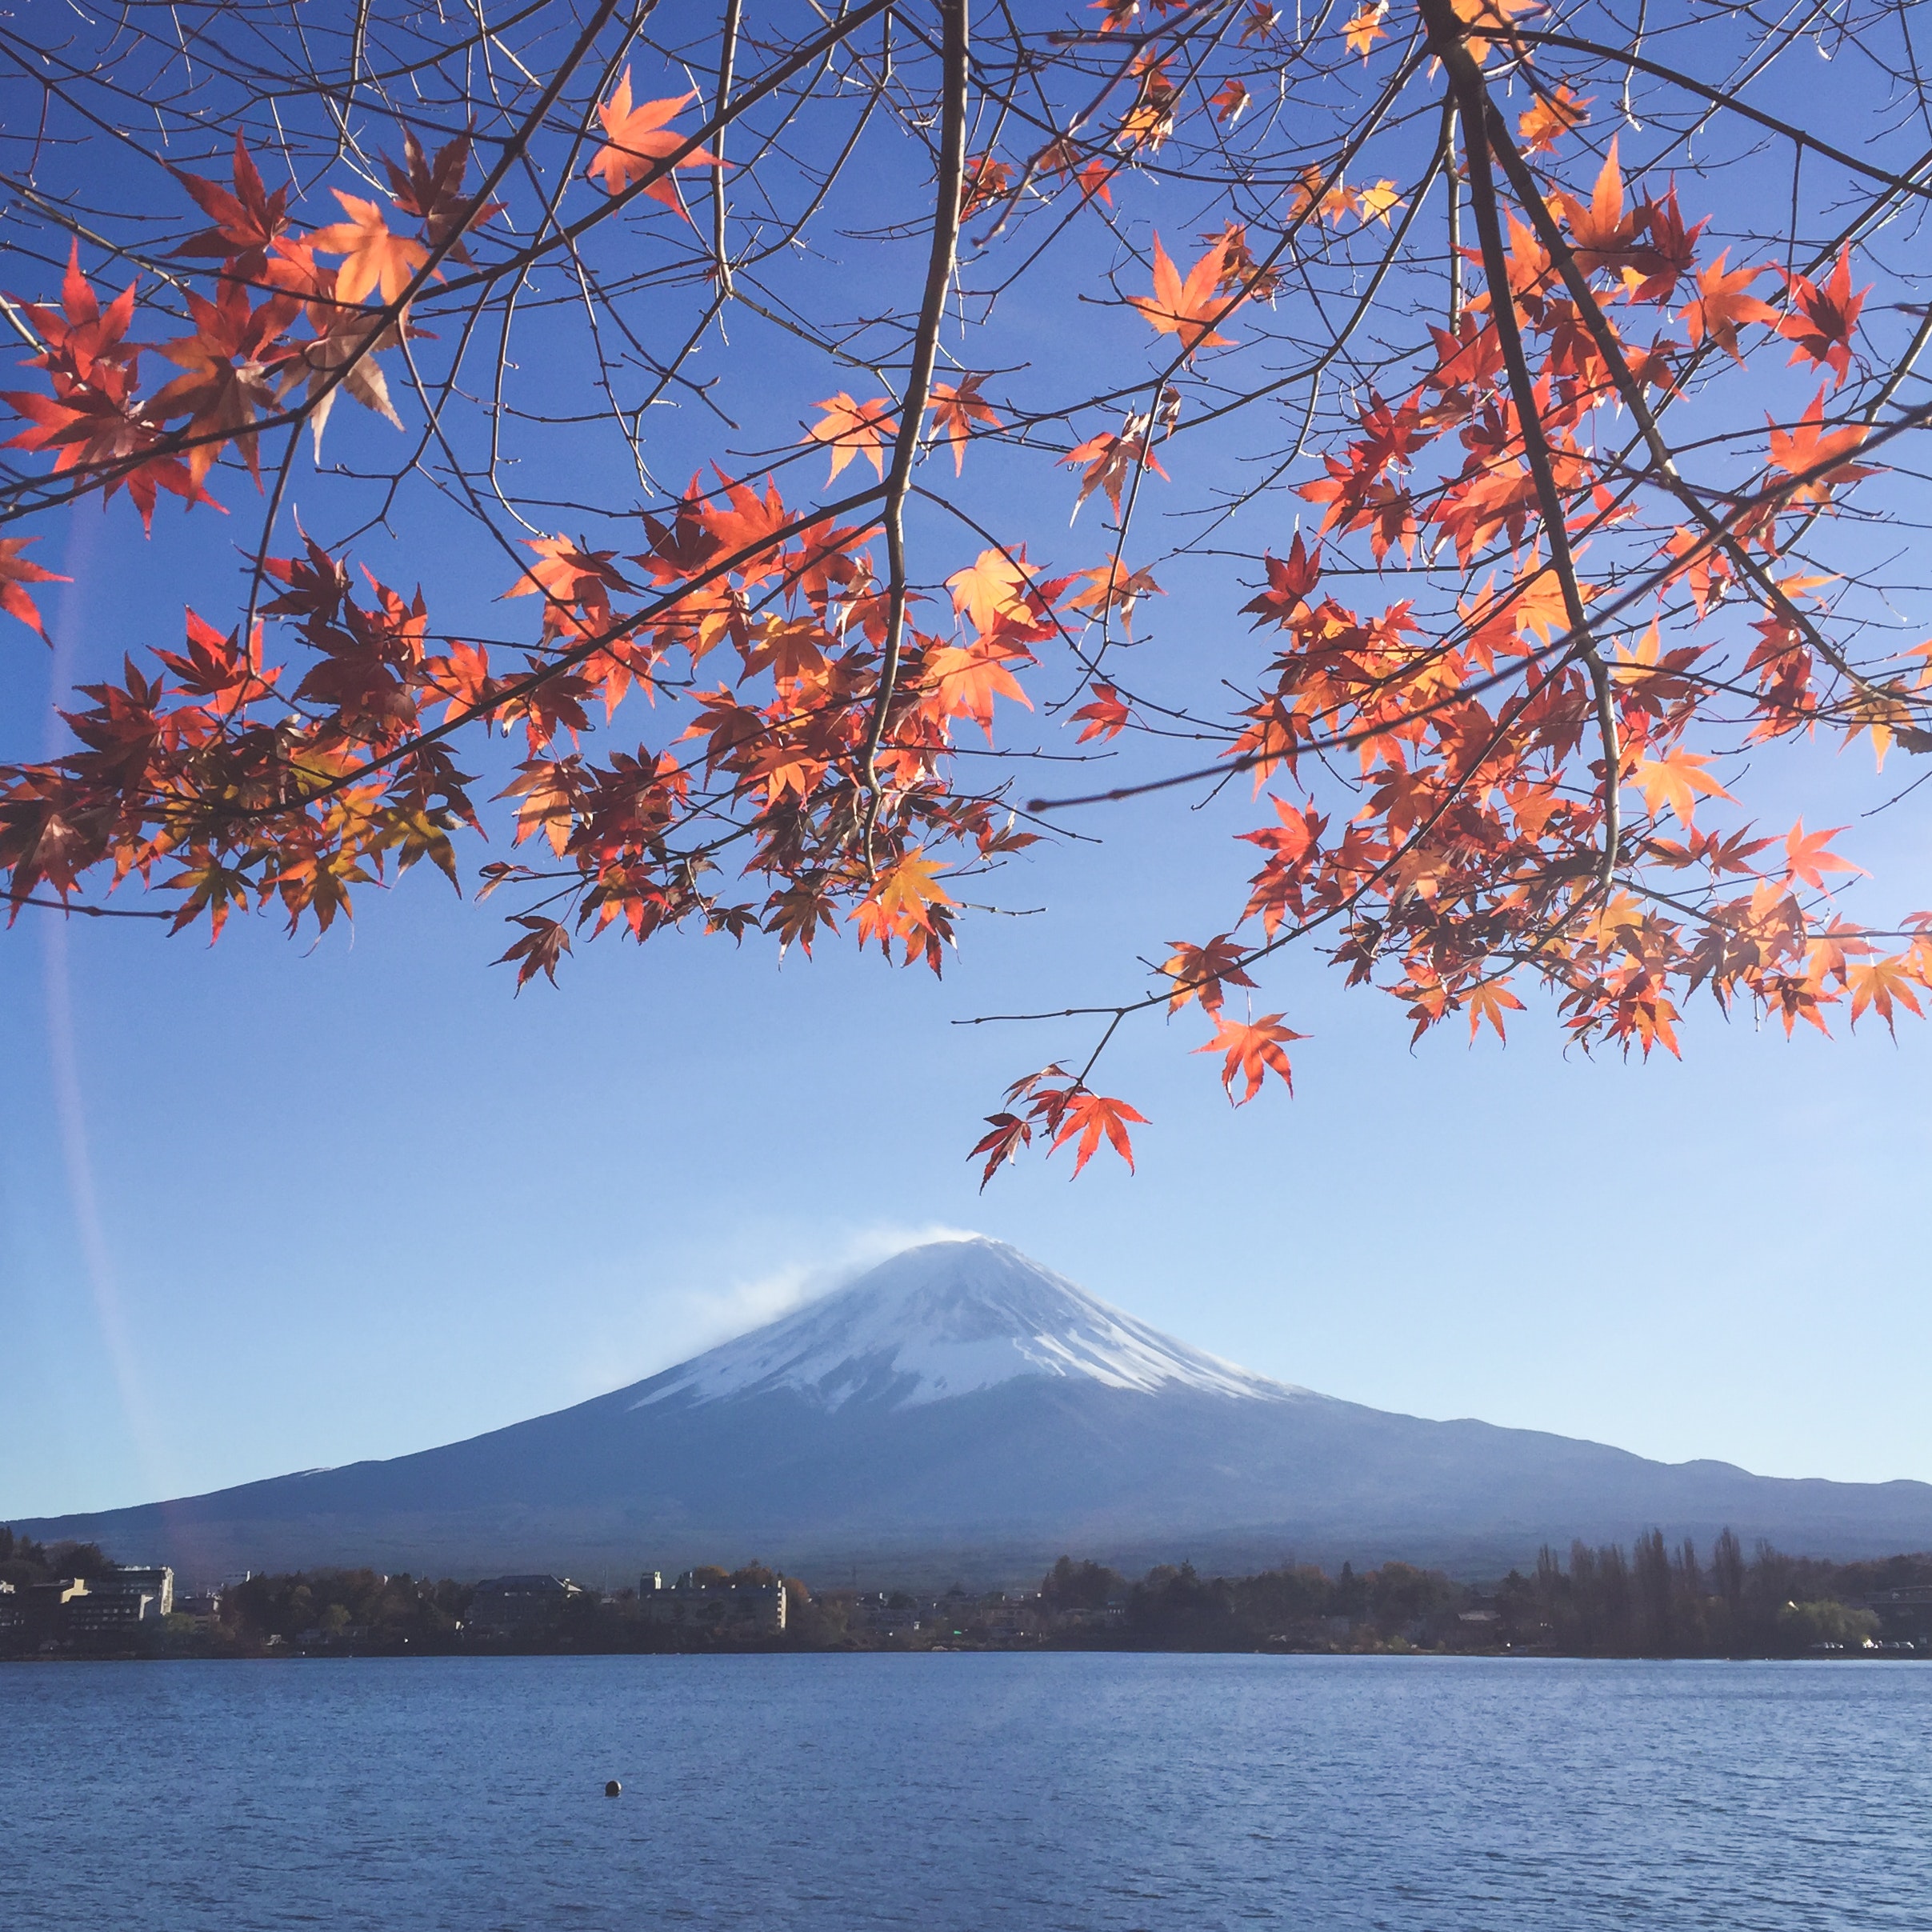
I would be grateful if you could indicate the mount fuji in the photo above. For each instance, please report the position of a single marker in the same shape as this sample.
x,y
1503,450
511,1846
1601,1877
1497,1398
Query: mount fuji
x,y
960,1411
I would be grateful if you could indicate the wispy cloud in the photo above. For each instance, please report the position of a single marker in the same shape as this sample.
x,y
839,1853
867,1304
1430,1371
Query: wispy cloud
x,y
685,1318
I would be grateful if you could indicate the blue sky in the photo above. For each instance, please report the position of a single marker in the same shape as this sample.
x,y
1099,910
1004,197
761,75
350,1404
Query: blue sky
x,y
272,1205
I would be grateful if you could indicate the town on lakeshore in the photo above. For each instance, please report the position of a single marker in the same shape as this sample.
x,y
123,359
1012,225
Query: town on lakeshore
x,y
72,1601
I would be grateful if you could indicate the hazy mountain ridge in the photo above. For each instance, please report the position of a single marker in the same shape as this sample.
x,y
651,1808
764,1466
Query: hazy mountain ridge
x,y
962,1408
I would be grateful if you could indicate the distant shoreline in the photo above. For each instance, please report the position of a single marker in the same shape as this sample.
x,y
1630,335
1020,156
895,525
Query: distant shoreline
x,y
71,1601
1407,1653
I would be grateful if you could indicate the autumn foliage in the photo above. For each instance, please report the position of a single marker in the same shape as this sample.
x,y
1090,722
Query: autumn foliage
x,y
1570,484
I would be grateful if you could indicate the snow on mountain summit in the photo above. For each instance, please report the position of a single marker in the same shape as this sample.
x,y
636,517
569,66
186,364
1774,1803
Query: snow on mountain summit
x,y
948,1319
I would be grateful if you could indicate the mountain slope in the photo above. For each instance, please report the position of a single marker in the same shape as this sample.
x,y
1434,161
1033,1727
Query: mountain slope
x,y
960,1408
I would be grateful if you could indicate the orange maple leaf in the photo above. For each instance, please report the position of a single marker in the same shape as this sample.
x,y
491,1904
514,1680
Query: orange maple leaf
x,y
1550,118
1251,1050
1675,780
1807,858
1489,1002
1229,103
636,143
1107,717
1824,318
994,591
1805,449
1363,28
855,428
969,679
955,409
1111,459
1112,587
1722,307
1204,973
16,571
1190,308
1881,983
904,902
376,259
1090,1115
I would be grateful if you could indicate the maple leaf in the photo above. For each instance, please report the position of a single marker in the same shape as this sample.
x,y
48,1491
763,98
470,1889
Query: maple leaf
x,y
855,428
221,386
1549,117
1112,460
1363,28
1878,984
1603,233
955,409
16,571
1011,1132
374,258
341,360
986,180
1061,158
1112,588
1107,716
1377,202
550,791
1315,192
1825,317
1187,308
636,142
1805,448
1722,307
906,901
1092,1115
544,941
1000,595
1675,780
1229,103
749,522
246,223
433,191
1205,972
1494,19
1289,581
567,572
1252,1050
1807,857
968,680
1672,251
1489,1002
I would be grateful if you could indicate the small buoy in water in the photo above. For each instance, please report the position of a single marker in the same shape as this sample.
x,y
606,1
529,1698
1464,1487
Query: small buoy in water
x,y
614,1789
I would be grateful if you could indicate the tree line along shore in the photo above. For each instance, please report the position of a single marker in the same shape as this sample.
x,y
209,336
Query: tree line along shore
x,y
1653,1599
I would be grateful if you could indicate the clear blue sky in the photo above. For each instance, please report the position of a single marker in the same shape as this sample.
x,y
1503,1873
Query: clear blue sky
x,y
274,1206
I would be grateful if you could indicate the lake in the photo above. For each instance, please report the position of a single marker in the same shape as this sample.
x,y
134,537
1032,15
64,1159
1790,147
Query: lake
x,y
1080,1791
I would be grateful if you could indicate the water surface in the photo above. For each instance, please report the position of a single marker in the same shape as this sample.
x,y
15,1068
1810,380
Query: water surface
x,y
966,1792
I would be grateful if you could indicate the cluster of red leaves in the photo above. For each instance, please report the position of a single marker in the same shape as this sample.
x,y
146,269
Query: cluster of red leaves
x,y
1475,750
275,323
1475,854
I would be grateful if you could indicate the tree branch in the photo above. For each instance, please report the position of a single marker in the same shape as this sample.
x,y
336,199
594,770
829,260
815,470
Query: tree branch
x,y
1447,42
919,384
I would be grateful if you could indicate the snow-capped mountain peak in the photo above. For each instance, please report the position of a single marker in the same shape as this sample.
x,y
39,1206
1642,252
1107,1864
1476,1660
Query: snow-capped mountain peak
x,y
948,1319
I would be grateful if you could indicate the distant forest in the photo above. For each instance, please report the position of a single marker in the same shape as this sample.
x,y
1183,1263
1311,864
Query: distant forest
x,y
1653,1600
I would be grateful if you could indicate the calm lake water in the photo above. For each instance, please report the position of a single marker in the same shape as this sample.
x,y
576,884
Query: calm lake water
x,y
1075,1791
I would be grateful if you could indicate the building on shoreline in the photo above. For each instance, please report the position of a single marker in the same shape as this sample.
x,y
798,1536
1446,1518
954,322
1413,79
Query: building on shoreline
x,y
511,1606
722,1609
85,1611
